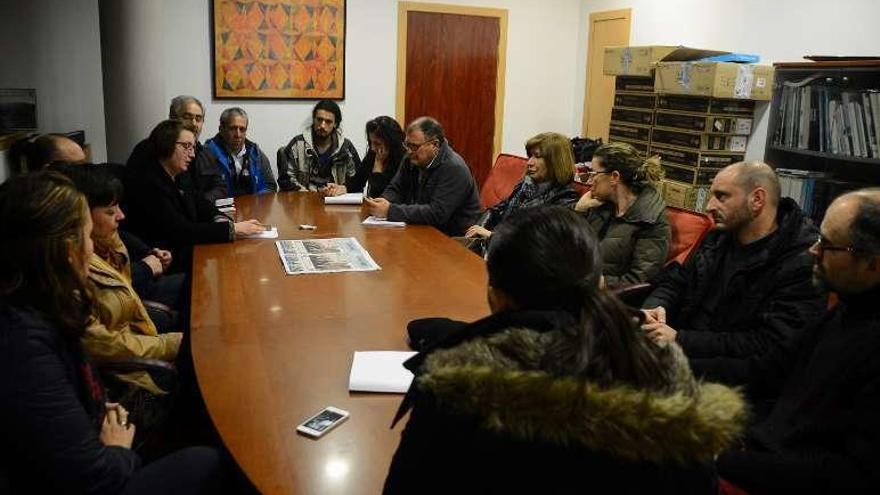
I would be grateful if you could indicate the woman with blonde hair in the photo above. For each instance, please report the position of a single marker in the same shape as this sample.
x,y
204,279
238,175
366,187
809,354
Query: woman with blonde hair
x,y
549,174
628,214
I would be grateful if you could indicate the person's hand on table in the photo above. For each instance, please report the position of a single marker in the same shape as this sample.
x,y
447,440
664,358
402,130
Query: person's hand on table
x,y
378,207
332,189
478,231
249,227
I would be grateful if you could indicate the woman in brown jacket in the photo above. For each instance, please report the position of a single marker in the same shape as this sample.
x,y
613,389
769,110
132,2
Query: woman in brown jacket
x,y
628,214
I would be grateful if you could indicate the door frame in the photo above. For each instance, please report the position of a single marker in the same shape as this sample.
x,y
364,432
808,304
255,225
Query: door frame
x,y
403,8
606,15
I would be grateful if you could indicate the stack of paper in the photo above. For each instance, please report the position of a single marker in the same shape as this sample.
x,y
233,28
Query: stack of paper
x,y
381,222
345,199
380,371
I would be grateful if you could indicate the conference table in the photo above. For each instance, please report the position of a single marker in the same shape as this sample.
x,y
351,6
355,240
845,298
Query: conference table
x,y
271,349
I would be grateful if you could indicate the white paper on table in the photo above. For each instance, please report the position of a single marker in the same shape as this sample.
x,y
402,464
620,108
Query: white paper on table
x,y
266,234
380,371
345,199
381,222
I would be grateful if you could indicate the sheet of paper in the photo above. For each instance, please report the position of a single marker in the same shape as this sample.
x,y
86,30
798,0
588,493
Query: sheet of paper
x,y
381,222
342,254
380,371
266,234
345,199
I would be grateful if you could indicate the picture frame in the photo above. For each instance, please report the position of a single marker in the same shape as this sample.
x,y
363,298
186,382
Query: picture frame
x,y
278,49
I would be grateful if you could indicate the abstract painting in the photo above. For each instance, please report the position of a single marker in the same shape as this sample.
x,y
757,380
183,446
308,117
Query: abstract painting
x,y
278,49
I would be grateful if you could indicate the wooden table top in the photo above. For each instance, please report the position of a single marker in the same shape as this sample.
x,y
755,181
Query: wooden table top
x,y
271,349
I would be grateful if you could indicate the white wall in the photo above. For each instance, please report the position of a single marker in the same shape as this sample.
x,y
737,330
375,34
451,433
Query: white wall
x,y
777,30
540,84
54,46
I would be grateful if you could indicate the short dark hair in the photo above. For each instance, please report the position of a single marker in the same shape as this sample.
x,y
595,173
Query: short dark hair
x,y
864,231
328,106
164,136
44,150
100,187
429,127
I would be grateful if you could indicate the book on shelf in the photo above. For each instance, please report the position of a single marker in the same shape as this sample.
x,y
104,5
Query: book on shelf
x,y
828,119
813,191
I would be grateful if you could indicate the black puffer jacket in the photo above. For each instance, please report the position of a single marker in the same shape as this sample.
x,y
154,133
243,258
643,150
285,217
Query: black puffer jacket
x,y
770,300
487,418
48,438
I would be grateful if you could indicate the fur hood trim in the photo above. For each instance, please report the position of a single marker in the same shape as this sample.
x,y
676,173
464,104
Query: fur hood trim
x,y
479,378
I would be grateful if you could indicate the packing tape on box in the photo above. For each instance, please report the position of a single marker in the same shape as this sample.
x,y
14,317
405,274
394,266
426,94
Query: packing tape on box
x,y
745,78
626,59
684,76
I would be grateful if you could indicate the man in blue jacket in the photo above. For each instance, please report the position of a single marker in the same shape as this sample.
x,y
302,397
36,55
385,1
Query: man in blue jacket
x,y
242,164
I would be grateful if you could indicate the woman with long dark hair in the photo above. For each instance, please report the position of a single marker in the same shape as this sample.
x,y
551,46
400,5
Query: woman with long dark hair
x,y
57,433
386,151
558,390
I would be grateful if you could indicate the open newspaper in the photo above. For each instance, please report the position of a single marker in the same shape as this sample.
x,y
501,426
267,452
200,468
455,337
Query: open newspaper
x,y
343,254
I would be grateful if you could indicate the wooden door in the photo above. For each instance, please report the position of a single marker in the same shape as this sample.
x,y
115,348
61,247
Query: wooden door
x,y
451,67
609,28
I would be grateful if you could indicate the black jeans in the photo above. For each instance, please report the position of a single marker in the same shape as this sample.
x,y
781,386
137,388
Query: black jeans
x,y
193,470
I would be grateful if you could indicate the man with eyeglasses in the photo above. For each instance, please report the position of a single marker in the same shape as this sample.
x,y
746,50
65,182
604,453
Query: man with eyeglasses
x,y
747,290
822,434
433,185
243,165
204,173
319,156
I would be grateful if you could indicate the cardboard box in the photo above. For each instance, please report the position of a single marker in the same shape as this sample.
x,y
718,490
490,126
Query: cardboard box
x,y
702,123
630,132
692,158
632,116
698,176
635,100
699,141
641,60
706,106
640,146
716,79
685,195
634,83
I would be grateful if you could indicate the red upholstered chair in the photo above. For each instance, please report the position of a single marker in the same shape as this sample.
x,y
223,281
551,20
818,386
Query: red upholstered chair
x,y
688,229
507,171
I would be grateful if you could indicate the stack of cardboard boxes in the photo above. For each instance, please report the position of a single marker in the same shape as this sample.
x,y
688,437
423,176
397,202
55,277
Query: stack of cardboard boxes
x,y
697,116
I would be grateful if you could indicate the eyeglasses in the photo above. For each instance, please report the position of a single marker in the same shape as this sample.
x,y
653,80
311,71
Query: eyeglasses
x,y
193,117
413,147
593,173
823,244
186,146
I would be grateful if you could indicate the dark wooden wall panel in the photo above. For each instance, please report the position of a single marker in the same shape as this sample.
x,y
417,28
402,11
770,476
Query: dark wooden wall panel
x,y
451,71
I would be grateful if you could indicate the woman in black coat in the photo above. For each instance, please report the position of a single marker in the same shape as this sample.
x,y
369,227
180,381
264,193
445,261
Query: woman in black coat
x,y
164,208
386,151
558,390
57,434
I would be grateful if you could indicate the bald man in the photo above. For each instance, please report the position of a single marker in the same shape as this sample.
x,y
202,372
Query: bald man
x,y
822,434
52,148
747,290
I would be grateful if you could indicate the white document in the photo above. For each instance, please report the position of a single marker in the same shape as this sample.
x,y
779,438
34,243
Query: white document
x,y
381,222
224,202
380,371
345,199
266,234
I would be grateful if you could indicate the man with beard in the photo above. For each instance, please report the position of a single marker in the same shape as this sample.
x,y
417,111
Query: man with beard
x,y
822,434
243,165
320,155
747,290
203,175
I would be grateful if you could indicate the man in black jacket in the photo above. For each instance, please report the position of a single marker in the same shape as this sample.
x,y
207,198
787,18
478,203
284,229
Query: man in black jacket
x,y
433,186
822,435
747,290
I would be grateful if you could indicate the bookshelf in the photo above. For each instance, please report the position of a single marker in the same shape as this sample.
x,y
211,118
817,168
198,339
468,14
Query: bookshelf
x,y
822,119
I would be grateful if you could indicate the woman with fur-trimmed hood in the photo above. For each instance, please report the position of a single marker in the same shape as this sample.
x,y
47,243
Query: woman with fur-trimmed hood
x,y
557,390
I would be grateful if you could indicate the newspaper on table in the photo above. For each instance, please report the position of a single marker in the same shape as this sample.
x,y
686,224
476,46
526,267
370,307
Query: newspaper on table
x,y
342,254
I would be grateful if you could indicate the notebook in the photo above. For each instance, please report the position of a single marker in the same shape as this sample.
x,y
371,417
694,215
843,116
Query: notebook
x,y
380,371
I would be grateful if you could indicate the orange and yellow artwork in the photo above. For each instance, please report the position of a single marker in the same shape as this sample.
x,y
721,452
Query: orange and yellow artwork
x,y
279,49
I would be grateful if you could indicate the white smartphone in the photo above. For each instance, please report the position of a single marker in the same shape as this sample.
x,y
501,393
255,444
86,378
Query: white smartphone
x,y
319,424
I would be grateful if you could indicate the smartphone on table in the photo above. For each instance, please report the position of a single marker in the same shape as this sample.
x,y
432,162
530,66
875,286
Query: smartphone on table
x,y
322,422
